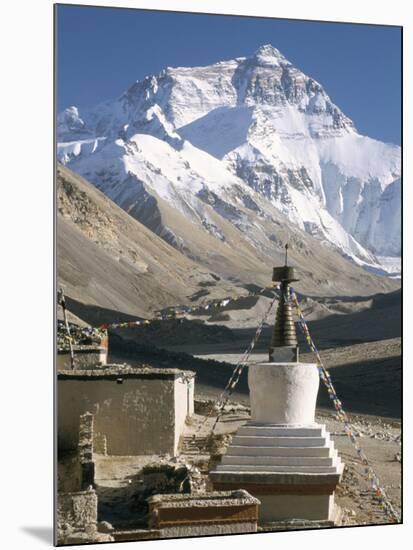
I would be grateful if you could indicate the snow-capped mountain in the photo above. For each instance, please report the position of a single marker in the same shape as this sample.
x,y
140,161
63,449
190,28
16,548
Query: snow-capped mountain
x,y
239,145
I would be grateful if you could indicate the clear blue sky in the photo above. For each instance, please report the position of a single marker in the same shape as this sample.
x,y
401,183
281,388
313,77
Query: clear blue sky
x,y
101,51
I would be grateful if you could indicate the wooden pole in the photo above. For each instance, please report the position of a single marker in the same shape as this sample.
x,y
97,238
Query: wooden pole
x,y
62,302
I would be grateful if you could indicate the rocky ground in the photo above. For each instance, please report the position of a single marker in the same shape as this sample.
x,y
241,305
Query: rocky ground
x,y
380,438
123,483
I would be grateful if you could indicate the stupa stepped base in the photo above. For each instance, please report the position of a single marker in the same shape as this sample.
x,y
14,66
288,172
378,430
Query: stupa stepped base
x,y
292,470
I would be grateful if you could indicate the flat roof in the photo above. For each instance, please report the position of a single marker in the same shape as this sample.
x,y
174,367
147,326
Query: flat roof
x,y
115,371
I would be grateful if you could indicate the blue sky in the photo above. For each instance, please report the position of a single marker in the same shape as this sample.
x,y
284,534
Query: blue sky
x,y
101,51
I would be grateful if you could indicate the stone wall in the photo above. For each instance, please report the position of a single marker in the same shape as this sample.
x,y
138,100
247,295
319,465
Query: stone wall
x,y
139,411
87,464
68,473
77,515
215,513
86,357
76,511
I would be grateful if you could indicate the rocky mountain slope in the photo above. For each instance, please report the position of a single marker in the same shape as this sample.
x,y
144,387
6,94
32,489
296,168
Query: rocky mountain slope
x,y
108,259
232,146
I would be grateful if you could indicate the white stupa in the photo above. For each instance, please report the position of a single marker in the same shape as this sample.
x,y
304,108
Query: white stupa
x,y
282,456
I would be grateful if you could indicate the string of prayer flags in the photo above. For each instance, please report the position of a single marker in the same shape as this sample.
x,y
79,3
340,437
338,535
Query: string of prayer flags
x,y
236,373
175,312
342,415
76,335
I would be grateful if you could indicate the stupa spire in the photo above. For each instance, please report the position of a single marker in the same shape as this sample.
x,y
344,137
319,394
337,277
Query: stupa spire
x,y
284,345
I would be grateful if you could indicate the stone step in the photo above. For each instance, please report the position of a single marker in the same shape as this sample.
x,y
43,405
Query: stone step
x,y
279,460
282,431
278,441
261,450
276,469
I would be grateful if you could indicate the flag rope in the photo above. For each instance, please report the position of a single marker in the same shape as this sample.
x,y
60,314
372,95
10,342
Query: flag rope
x,y
236,374
325,377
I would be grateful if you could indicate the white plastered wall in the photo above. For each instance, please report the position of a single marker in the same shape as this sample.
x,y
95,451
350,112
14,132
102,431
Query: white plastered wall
x,y
137,415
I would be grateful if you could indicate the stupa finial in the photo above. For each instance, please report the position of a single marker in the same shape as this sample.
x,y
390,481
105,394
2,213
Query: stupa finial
x,y
284,345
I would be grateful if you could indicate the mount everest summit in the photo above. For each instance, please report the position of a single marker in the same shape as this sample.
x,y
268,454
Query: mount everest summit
x,y
210,156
